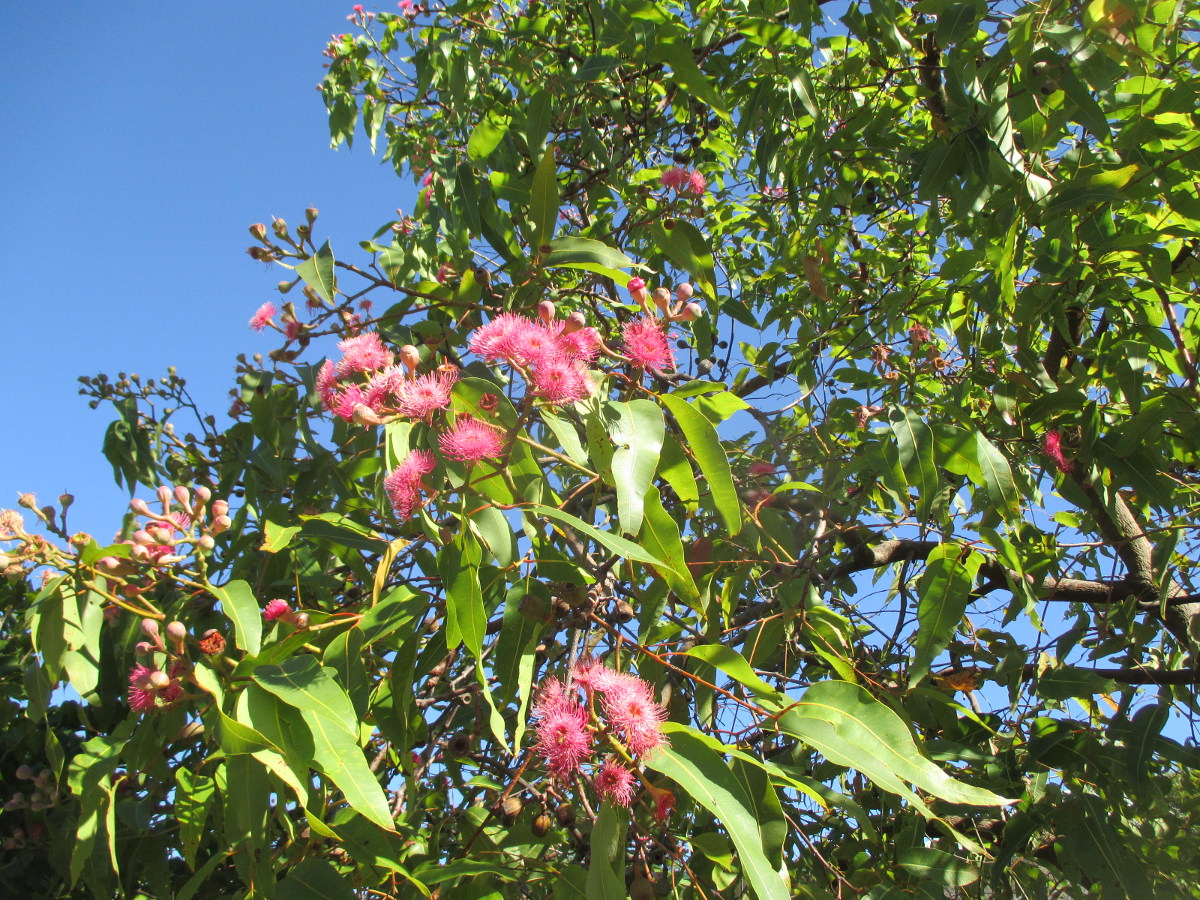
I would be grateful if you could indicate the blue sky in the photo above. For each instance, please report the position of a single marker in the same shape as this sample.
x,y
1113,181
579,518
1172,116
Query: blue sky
x,y
138,143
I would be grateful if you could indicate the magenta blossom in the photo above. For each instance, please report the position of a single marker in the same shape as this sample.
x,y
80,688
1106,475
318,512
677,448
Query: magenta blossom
x,y
420,397
152,689
363,353
647,345
404,483
471,440
262,317
276,609
614,783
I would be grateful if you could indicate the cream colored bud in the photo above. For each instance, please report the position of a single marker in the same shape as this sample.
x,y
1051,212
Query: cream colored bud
x,y
410,358
183,496
220,508
300,620
221,524
545,311
575,321
139,506
662,298
142,536
159,679
150,629
177,632
203,494
164,493
691,312
206,543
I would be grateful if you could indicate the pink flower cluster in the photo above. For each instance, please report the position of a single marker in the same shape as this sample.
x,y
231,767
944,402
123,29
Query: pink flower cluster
x,y
1052,447
566,727
366,385
683,180
553,354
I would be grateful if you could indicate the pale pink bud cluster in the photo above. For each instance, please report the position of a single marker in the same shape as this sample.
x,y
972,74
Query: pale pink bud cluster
x,y
566,725
185,518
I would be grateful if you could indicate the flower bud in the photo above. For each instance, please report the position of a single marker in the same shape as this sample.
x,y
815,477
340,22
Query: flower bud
x,y
203,494
139,506
164,493
177,632
410,357
510,807
221,524
139,552
65,500
545,311
662,299
311,214
150,630
183,497
637,290
220,508
575,321
142,536
541,825
279,226
691,312
159,680
284,286
160,534
683,292
258,231
206,543
108,562
24,773
300,620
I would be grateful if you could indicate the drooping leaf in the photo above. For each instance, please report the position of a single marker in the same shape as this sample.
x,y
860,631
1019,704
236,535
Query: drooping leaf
x,y
239,604
702,440
318,273
637,436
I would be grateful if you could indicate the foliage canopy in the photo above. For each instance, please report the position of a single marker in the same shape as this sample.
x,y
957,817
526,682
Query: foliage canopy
x,y
896,526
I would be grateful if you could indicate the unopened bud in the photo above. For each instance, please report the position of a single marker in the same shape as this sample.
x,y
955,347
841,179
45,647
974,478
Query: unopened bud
x,y
143,648
139,506
284,286
410,357
300,620
691,312
510,807
221,524
24,773
159,679
662,299
139,552
311,214
279,226
142,536
541,825
164,493
203,494
150,629
574,322
220,508
177,632
206,543
108,562
683,292
160,534
183,496
258,231
545,311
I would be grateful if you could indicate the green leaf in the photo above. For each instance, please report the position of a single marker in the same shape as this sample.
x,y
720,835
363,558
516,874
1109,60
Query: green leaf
x,y
710,455
193,796
851,728
466,618
660,535
616,544
915,442
543,205
278,537
937,866
735,666
239,604
703,774
677,53
687,248
944,590
998,479
338,529
487,135
592,256
1096,848
606,872
315,879
637,436
304,683
318,273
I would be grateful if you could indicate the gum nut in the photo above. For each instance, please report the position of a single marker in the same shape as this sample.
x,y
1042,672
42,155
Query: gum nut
x,y
662,298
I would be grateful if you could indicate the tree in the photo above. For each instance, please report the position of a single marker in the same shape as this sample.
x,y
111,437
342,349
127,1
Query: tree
x,y
784,487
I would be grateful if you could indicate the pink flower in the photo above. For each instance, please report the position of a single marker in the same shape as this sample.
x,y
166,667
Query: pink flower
x,y
592,675
614,782
1052,447
404,485
471,440
152,689
276,609
259,320
646,344
762,468
488,340
528,342
697,183
558,379
635,284
563,739
343,403
675,178
420,397
363,353
583,343
292,329
383,387
630,707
